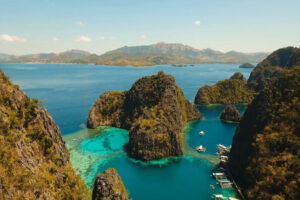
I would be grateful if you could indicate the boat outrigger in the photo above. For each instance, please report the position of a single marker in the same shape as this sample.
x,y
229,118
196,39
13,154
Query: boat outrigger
x,y
200,148
201,133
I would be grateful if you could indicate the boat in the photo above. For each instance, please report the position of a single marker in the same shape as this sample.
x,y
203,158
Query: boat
x,y
219,175
225,183
212,186
232,198
200,148
201,133
218,197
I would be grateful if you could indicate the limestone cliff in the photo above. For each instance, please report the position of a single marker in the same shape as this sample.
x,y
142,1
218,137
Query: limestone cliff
x,y
230,113
271,67
265,155
109,186
229,91
154,111
34,161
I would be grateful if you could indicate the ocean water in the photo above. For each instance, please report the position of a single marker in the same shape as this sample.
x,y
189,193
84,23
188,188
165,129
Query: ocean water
x,y
69,91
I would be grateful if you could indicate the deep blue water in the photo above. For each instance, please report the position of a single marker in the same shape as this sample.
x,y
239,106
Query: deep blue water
x,y
70,90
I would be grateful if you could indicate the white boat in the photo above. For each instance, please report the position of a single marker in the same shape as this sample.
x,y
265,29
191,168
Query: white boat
x,y
200,148
218,197
201,133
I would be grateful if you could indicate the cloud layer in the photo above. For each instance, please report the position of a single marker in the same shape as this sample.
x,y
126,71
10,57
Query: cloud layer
x,y
197,22
83,39
11,38
80,23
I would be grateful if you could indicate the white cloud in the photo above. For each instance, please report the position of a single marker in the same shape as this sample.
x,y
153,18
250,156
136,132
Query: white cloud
x,y
102,38
11,38
112,37
143,36
80,23
197,22
83,39
55,39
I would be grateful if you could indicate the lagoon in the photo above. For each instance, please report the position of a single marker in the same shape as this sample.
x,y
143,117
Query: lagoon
x,y
70,90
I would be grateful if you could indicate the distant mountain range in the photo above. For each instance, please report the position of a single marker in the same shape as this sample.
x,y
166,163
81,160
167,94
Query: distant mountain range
x,y
146,55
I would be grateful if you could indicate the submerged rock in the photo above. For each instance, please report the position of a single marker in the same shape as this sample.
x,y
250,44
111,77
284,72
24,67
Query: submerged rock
x,y
154,111
109,186
246,65
34,161
229,91
230,113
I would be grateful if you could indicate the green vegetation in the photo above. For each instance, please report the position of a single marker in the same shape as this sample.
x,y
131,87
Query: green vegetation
x,y
229,91
265,155
34,162
269,69
154,111
230,113
109,185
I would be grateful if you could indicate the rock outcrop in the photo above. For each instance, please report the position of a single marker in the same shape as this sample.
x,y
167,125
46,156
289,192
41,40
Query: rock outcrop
x,y
34,161
109,186
154,111
246,65
230,113
265,155
270,68
229,91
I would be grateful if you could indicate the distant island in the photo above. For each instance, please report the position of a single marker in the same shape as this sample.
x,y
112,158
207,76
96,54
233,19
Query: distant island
x,y
247,65
148,55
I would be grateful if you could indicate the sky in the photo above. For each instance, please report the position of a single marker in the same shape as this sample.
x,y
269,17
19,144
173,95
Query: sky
x,y
97,26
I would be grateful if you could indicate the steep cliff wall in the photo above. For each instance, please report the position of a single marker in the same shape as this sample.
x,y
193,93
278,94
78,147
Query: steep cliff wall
x,y
265,155
34,161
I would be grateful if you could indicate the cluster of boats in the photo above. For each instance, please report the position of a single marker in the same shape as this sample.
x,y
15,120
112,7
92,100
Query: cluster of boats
x,y
220,174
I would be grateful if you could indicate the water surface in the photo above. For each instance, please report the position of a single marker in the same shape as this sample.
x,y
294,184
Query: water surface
x,y
70,90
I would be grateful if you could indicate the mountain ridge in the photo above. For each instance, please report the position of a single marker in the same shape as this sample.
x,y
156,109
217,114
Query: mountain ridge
x,y
142,55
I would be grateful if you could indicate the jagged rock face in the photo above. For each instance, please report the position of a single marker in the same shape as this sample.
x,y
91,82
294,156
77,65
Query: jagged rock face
x,y
154,111
34,161
271,67
265,153
230,113
229,91
107,110
109,186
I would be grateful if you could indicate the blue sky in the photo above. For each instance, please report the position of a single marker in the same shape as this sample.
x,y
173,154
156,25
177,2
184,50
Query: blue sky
x,y
34,26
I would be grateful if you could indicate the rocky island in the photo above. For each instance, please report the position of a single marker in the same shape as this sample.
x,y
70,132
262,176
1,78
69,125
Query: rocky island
x,y
34,160
264,159
230,113
246,65
230,91
109,186
154,111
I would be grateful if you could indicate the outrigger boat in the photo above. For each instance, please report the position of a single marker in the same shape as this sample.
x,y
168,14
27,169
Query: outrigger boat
x,y
218,197
200,149
201,133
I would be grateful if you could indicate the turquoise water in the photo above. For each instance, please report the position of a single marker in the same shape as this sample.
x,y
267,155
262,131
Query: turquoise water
x,y
70,90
